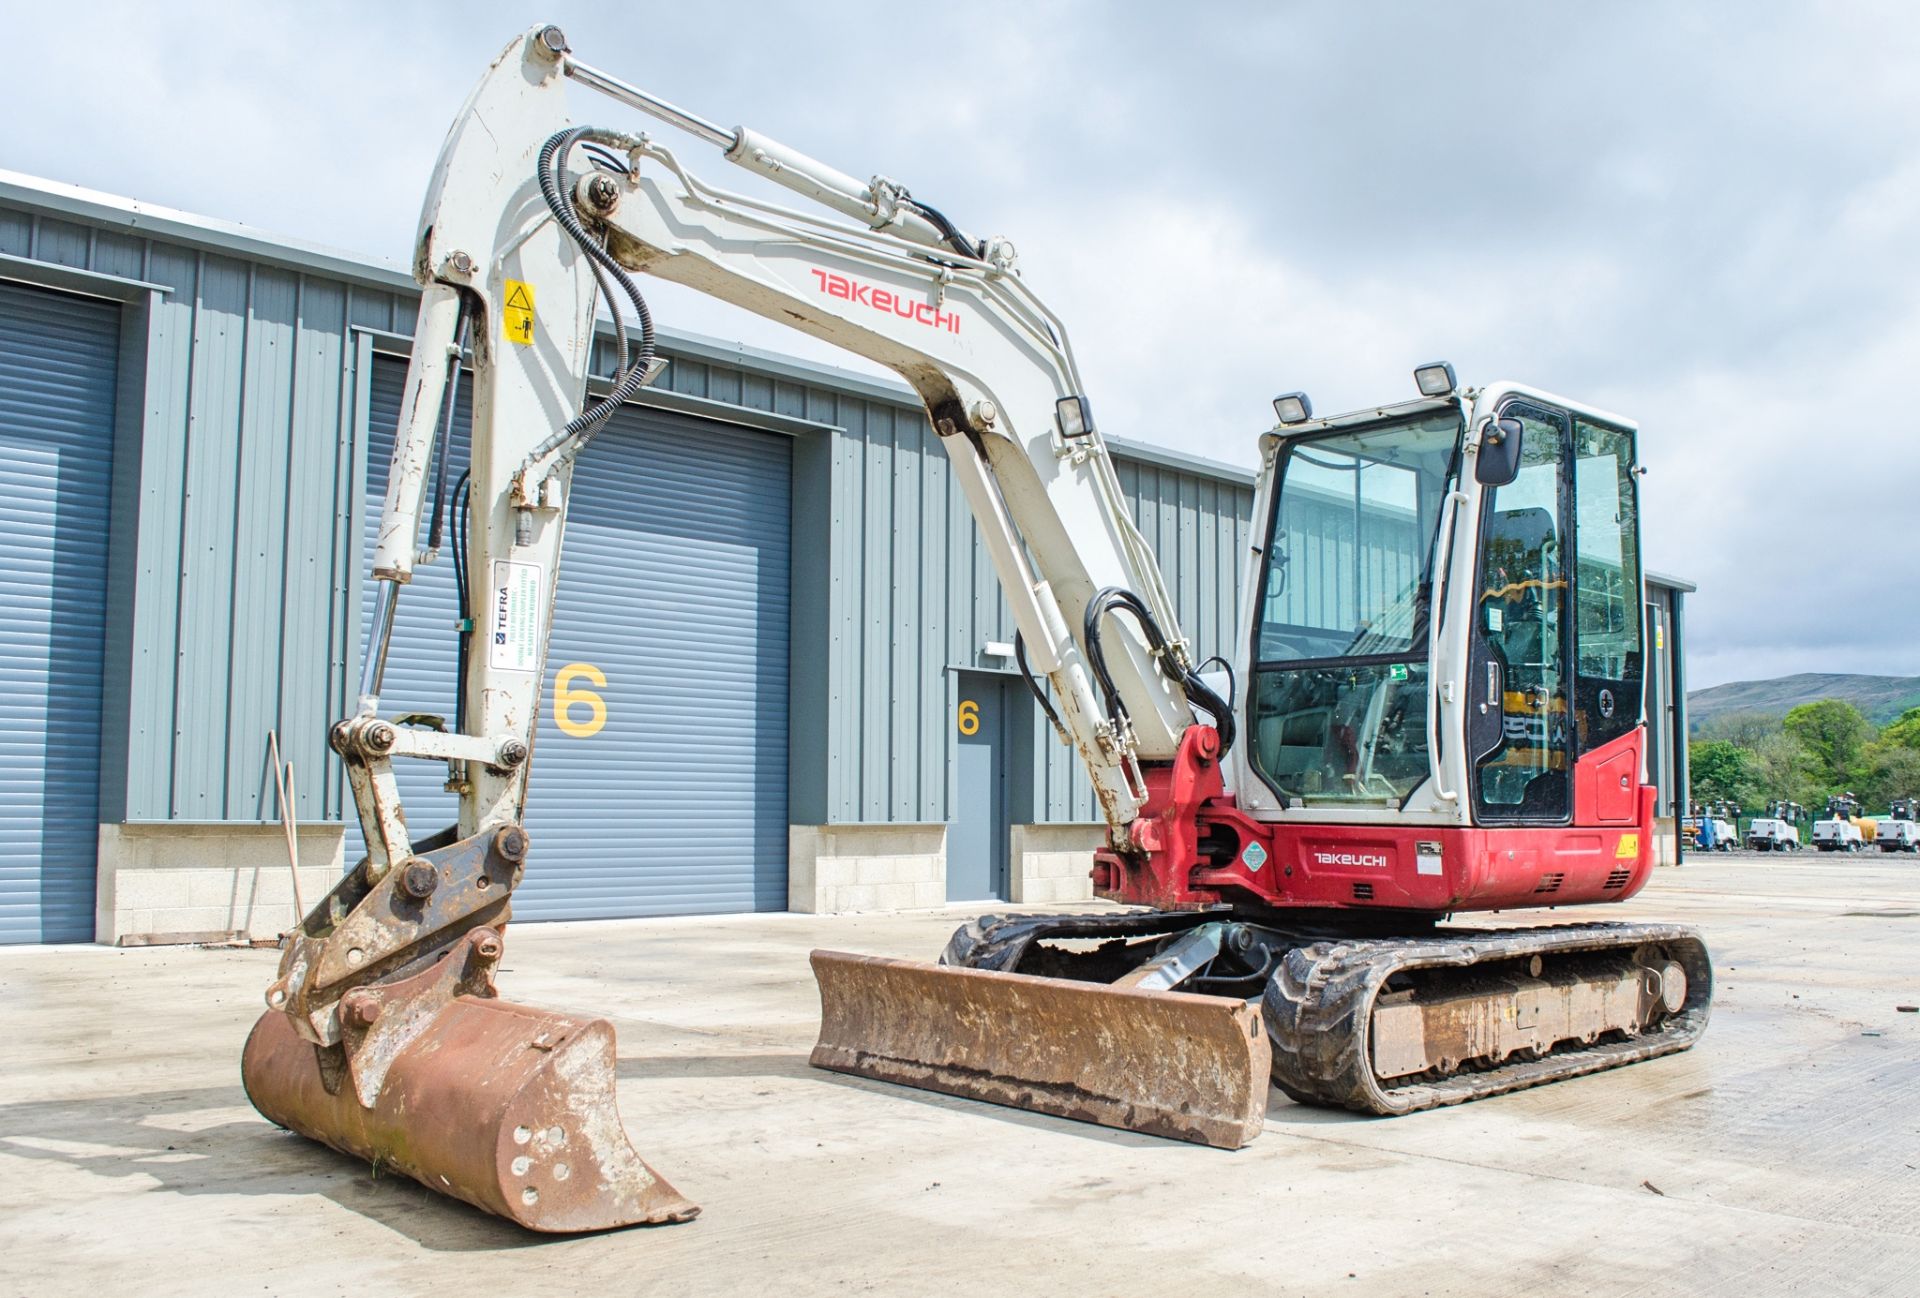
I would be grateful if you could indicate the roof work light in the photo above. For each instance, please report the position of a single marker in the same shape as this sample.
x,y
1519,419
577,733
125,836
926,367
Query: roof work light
x,y
1292,408
1435,380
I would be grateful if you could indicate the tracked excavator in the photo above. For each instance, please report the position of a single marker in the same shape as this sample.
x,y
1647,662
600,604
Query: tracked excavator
x,y
1432,706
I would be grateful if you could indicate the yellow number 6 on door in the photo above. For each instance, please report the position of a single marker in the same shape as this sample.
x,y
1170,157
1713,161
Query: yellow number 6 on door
x,y
566,698
969,717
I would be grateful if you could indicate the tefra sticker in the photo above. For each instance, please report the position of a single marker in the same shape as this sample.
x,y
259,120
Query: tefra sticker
x,y
513,639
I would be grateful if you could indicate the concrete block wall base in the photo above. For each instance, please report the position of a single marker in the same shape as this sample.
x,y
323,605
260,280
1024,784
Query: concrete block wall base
x,y
187,882
1666,848
837,869
1053,864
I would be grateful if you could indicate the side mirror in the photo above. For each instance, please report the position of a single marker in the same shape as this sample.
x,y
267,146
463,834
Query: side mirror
x,y
1498,461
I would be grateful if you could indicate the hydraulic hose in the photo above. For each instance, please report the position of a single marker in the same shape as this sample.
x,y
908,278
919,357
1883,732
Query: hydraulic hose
x,y
551,171
463,596
444,443
1116,600
948,230
1033,683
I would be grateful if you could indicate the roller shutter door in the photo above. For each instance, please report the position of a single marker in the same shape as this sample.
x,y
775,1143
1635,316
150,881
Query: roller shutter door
x,y
58,360
674,590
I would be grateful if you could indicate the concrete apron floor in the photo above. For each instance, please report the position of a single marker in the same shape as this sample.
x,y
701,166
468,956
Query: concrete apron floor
x,y
1779,1156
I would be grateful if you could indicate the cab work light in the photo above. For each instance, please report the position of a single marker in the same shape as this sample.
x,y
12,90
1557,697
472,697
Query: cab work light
x,y
1435,380
1292,408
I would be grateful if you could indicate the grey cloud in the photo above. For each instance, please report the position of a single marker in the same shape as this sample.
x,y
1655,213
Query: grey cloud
x,y
1699,215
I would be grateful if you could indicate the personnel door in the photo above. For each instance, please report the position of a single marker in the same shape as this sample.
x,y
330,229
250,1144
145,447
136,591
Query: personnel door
x,y
978,839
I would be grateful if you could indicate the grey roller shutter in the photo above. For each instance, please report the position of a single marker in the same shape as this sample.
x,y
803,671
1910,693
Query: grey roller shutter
x,y
674,589
58,360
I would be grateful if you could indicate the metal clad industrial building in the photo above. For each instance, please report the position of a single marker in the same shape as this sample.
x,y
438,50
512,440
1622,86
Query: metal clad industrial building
x,y
813,706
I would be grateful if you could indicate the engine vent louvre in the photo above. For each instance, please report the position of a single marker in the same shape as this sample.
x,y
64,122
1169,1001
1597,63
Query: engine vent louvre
x,y
1363,892
1550,883
1618,879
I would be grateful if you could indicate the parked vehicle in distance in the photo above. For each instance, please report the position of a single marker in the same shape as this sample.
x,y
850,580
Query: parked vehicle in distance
x,y
1843,828
1779,829
1713,830
1900,828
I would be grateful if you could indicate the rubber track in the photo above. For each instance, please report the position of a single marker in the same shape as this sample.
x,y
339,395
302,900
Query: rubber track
x,y
1318,1004
1318,1010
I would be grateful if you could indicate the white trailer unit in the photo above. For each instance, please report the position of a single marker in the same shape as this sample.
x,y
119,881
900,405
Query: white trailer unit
x,y
1773,834
1900,827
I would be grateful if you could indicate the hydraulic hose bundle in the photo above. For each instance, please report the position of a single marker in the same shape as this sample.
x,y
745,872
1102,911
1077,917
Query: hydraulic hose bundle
x,y
631,368
1116,600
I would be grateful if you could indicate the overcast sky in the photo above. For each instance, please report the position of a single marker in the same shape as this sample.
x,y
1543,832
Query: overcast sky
x,y
1705,217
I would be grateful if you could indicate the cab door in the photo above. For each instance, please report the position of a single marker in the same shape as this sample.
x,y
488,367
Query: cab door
x,y
1609,666
1519,683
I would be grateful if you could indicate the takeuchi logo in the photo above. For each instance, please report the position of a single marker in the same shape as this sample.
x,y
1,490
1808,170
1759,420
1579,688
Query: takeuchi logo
x,y
884,299
1373,860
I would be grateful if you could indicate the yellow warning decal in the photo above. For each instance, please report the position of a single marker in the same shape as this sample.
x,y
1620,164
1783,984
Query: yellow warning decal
x,y
518,315
1628,849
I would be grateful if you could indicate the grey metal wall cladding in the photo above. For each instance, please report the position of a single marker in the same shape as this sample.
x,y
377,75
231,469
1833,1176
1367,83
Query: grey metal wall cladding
x,y
913,594
242,601
57,373
673,611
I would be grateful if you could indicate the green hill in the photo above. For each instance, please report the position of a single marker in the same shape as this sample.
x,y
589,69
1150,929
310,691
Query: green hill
x,y
1881,698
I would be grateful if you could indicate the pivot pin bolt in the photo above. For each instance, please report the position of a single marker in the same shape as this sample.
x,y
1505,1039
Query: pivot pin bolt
x,y
419,879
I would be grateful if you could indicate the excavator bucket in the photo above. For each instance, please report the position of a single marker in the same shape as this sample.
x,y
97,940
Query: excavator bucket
x,y
1161,1062
507,1107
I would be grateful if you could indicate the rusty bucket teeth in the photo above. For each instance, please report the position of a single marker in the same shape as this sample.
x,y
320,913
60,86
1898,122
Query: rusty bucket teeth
x,y
510,1108
1165,1063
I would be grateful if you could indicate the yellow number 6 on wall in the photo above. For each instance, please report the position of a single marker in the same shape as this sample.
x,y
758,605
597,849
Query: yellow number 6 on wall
x,y
969,717
566,697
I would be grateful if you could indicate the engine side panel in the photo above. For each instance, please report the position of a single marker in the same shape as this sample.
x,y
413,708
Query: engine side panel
x,y
1231,859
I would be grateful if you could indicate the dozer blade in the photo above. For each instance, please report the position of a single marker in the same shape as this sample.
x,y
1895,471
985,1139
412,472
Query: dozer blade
x,y
1165,1063
509,1108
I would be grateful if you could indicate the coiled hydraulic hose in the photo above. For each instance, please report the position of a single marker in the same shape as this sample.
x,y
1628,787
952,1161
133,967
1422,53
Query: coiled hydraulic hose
x,y
631,374
1114,599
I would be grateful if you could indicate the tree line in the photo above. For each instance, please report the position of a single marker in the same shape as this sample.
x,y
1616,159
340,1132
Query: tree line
x,y
1815,750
